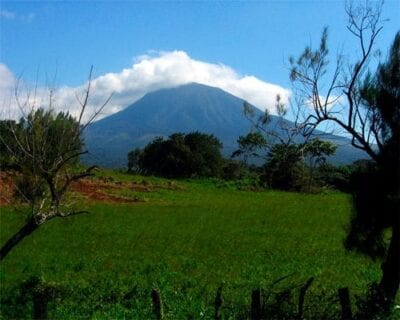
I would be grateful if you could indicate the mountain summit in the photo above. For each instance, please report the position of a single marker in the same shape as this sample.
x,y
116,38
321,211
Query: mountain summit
x,y
187,108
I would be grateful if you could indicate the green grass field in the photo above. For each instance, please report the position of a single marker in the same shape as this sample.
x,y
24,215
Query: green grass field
x,y
186,241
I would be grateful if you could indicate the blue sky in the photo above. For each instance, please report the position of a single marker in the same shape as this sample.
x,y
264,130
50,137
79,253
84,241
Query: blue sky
x,y
252,38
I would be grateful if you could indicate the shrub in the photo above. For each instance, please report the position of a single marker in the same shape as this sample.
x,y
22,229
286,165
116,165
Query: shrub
x,y
180,156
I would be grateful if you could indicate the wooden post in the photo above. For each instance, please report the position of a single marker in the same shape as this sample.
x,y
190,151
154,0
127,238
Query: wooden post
x,y
39,306
157,304
256,304
344,297
303,291
218,304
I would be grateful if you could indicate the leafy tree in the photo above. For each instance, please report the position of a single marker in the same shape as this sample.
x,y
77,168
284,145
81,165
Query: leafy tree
x,y
337,177
180,156
45,147
367,108
134,160
205,149
250,145
315,152
292,166
167,158
283,166
234,170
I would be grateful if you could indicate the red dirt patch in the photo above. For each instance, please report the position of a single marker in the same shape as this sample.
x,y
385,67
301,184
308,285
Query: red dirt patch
x,y
95,190
100,189
7,187
91,189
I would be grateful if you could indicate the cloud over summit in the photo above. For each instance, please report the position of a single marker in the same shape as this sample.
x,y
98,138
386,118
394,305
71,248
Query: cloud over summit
x,y
161,70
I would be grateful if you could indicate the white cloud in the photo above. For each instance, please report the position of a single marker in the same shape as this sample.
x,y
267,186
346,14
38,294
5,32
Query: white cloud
x,y
10,15
164,70
7,82
6,77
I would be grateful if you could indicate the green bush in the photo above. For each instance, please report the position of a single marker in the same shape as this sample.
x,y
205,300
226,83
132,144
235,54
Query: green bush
x,y
180,156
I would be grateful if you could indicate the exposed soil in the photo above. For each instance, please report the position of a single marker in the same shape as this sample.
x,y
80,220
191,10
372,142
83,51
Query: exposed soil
x,y
96,190
100,189
7,187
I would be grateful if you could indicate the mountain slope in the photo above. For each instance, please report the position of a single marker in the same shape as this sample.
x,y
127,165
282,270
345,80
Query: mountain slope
x,y
191,107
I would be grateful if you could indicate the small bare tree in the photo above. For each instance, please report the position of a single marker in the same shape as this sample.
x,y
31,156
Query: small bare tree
x,y
45,147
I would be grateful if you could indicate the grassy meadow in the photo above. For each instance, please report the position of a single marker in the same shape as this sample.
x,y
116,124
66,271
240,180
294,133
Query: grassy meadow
x,y
185,238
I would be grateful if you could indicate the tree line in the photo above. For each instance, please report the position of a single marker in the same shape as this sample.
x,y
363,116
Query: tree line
x,y
291,166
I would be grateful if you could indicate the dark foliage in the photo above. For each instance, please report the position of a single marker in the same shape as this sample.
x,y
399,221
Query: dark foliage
x,y
372,305
7,140
33,298
283,166
238,170
180,156
206,158
336,177
42,133
377,187
250,146
233,170
292,166
134,160
366,231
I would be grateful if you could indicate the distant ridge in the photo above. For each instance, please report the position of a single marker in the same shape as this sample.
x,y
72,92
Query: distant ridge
x,y
187,108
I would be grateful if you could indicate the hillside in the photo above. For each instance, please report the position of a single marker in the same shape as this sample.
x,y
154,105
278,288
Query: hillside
x,y
192,107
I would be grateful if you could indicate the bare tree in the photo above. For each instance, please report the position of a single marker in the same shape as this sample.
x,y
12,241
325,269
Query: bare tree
x,y
342,96
45,147
325,95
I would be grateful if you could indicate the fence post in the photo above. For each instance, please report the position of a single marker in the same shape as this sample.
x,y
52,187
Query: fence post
x,y
256,304
302,295
157,304
344,298
218,304
40,301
